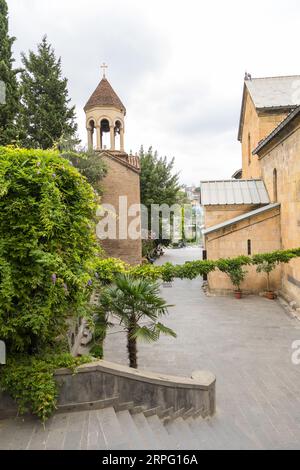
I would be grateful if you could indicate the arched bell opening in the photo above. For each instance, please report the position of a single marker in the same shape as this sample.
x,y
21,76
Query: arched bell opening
x,y
105,135
118,128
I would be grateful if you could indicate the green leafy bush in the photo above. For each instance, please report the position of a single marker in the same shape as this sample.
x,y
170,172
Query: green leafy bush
x,y
107,269
30,381
97,351
47,245
266,266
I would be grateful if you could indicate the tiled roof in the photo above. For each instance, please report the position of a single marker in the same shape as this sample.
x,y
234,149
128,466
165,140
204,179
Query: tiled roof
x,y
277,130
130,161
274,92
104,95
271,93
229,192
241,217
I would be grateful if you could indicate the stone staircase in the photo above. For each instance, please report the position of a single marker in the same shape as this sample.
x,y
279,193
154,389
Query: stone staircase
x,y
123,427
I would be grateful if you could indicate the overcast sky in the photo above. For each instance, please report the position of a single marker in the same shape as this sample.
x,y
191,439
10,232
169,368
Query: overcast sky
x,y
178,66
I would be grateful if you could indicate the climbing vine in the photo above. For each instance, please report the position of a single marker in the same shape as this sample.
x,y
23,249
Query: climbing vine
x,y
47,244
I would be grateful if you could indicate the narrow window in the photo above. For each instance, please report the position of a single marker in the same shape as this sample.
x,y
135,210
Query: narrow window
x,y
275,189
249,248
249,149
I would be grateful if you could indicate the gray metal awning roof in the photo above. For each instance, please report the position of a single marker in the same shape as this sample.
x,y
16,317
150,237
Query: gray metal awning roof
x,y
230,192
229,222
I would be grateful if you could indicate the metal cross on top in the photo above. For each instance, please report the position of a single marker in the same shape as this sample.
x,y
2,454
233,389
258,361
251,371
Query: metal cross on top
x,y
104,67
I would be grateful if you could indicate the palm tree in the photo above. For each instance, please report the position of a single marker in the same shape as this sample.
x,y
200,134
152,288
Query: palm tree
x,y
138,305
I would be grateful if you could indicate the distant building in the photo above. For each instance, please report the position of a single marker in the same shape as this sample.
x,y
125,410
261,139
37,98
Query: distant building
x,y
193,194
261,211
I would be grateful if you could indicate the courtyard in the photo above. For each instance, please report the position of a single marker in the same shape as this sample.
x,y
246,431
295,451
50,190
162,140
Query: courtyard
x,y
246,343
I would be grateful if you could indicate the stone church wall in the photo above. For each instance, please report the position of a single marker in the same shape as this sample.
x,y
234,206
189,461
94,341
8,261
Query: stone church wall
x,y
263,230
285,158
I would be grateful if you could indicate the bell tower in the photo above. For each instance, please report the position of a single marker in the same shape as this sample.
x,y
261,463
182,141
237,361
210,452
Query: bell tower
x,y
105,118
105,124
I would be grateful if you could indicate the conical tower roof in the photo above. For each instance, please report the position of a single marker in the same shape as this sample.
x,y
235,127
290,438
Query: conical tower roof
x,y
104,95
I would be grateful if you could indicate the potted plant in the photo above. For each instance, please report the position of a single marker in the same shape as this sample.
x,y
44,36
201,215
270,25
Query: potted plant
x,y
237,276
234,269
267,266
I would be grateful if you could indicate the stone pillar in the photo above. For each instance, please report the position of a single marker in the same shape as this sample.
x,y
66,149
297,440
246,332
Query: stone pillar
x,y
122,139
90,138
99,143
112,138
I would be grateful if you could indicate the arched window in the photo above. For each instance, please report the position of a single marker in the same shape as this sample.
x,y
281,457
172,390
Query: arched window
x,y
275,186
249,148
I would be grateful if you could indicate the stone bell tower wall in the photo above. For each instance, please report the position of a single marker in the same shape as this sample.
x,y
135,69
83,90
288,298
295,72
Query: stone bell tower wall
x,y
122,180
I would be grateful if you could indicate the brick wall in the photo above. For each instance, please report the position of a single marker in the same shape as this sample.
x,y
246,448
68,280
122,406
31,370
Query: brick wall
x,y
121,180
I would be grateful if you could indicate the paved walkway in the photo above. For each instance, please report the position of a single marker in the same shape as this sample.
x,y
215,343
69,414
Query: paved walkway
x,y
246,343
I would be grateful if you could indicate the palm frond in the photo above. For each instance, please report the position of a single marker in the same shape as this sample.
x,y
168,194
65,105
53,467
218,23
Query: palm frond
x,y
133,300
165,330
145,334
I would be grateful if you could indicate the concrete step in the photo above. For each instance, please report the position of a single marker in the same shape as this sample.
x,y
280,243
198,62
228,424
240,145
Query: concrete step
x,y
114,437
182,435
16,433
150,439
166,442
153,411
95,437
187,414
130,429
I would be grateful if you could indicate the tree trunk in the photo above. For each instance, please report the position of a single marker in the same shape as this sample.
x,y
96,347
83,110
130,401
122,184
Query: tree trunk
x,y
132,352
132,345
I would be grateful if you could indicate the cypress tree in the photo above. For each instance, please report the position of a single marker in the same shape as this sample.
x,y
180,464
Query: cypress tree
x,y
8,110
46,114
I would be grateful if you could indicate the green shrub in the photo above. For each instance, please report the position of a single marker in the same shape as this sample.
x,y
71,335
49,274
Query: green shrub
x,y
266,266
97,351
47,244
107,269
30,381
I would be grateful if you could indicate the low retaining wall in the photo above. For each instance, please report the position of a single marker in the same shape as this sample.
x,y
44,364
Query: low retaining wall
x,y
103,380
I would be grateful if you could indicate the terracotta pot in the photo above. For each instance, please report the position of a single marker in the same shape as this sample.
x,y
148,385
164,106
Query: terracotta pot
x,y
270,295
238,294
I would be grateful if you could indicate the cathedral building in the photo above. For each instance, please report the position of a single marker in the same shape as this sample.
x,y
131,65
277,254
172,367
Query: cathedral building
x,y
105,124
260,210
